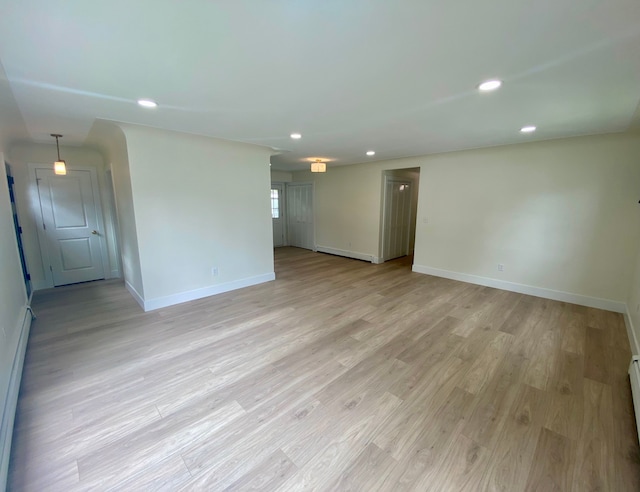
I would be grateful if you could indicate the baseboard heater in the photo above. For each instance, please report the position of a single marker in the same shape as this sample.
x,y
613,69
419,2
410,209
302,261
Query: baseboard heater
x,y
634,376
8,407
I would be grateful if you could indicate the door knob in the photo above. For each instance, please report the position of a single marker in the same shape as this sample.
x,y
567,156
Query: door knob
x,y
94,232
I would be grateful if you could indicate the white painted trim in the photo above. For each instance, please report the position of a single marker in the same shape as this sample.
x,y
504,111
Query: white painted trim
x,y
631,333
191,295
134,293
348,254
40,285
556,295
10,400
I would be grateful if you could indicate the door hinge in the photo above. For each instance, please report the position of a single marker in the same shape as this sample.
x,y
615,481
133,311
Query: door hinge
x,y
10,178
50,269
19,230
44,226
28,276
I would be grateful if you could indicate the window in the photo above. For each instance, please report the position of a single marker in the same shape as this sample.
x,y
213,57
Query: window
x,y
275,204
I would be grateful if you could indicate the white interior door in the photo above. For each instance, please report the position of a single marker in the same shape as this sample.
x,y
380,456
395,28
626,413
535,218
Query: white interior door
x,y
396,218
278,214
300,215
71,236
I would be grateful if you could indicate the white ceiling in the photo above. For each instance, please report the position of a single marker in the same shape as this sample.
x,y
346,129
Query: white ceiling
x,y
395,76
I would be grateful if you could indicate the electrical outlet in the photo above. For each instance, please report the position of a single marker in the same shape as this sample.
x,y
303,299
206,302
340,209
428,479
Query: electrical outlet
x,y
214,271
500,267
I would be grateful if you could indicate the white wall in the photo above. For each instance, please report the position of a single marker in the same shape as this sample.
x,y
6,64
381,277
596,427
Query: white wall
x,y
347,205
14,322
14,319
560,215
281,177
110,139
20,156
199,203
13,297
633,304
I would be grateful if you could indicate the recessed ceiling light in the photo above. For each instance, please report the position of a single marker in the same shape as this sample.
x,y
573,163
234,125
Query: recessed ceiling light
x,y
528,129
490,85
296,136
371,152
147,103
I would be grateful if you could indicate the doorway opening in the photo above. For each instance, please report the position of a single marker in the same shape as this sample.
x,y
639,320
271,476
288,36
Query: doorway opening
x,y
398,215
292,219
292,215
18,228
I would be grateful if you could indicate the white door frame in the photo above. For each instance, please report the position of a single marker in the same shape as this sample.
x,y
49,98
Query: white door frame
x,y
39,219
385,178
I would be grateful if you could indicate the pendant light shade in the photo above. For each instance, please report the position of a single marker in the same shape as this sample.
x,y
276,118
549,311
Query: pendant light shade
x,y
318,166
59,167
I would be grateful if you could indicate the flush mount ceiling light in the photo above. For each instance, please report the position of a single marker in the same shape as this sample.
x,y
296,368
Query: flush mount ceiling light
x,y
147,103
371,152
318,166
59,167
296,136
490,85
528,129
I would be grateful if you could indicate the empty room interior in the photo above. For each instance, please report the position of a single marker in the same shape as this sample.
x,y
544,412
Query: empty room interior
x,y
320,245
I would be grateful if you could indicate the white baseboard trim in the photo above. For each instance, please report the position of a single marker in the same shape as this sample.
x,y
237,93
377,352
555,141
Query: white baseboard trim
x,y
348,254
191,295
631,333
556,295
134,294
10,400
114,274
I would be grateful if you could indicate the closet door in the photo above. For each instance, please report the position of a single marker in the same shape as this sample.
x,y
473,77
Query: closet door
x,y
300,215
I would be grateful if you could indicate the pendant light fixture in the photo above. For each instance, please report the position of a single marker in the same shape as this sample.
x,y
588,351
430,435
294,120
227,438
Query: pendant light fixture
x,y
59,167
318,166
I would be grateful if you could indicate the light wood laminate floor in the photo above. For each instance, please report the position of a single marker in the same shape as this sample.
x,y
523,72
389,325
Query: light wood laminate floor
x,y
339,375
